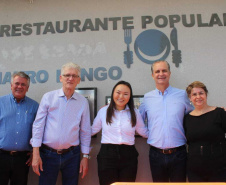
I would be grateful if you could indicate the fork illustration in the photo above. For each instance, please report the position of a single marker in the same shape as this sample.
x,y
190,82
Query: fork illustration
x,y
128,55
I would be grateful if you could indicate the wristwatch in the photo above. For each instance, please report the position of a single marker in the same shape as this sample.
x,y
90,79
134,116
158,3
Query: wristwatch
x,y
86,156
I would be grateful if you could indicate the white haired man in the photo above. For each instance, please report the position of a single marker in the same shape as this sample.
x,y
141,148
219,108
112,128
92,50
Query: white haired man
x,y
61,126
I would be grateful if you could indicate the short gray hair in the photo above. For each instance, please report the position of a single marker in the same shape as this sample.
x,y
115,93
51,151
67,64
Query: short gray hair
x,y
152,66
22,75
71,65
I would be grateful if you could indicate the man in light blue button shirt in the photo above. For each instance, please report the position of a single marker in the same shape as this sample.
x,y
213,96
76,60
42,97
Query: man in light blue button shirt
x,y
61,126
17,113
164,109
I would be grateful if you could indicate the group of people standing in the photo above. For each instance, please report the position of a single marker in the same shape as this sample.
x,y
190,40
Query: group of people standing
x,y
186,138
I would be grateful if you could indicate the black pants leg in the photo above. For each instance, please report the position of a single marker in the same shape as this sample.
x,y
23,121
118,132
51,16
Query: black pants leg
x,y
128,170
209,168
13,169
4,168
117,163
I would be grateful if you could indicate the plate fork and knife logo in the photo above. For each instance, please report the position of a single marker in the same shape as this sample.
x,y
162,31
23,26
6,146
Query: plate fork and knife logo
x,y
128,54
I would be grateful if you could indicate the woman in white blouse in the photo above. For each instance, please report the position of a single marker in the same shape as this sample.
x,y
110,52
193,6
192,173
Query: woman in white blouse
x,y
117,159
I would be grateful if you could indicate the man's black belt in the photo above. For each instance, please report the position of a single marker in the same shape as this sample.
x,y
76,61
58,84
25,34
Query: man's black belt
x,y
13,153
60,151
170,150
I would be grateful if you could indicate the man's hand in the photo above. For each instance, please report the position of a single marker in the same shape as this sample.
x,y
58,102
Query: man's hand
x,y
84,167
37,161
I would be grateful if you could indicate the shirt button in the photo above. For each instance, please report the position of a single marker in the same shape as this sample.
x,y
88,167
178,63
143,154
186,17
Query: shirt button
x,y
18,113
17,132
16,143
17,122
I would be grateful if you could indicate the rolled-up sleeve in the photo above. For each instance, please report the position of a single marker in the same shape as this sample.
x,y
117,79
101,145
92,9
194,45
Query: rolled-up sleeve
x,y
39,124
97,124
85,130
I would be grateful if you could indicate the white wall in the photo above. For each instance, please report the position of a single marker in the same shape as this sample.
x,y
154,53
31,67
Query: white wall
x,y
203,49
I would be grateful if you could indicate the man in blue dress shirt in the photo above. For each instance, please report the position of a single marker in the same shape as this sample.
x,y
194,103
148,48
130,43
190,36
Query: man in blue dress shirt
x,y
61,125
164,109
17,113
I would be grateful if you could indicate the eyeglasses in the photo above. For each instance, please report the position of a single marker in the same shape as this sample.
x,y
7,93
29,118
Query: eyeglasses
x,y
73,76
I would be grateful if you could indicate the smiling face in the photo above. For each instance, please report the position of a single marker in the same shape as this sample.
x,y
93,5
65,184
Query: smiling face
x,y
70,79
198,97
121,96
161,74
19,87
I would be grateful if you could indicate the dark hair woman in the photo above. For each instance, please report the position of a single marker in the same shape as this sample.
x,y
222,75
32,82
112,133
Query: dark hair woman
x,y
117,159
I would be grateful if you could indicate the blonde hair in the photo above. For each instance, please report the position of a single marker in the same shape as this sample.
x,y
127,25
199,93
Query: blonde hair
x,y
196,84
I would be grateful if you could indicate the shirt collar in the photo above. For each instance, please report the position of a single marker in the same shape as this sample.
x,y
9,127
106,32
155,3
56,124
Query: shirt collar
x,y
126,109
61,93
167,91
14,99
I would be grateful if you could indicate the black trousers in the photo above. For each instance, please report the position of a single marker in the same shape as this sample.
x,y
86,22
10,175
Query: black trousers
x,y
207,168
13,168
207,163
117,163
168,167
